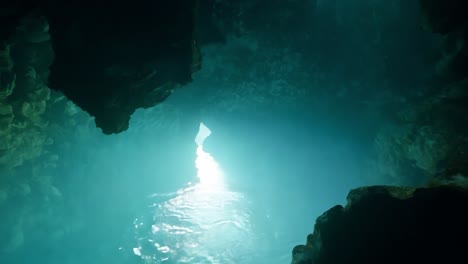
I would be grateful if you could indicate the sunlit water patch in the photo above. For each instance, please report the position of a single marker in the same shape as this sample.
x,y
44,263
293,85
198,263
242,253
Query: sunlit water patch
x,y
203,223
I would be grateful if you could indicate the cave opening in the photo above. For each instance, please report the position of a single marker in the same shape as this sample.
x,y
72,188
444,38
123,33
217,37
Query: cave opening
x,y
292,104
209,172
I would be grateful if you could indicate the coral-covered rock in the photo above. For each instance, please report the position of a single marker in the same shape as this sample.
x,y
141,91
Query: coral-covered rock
x,y
24,95
426,139
28,196
110,59
382,224
409,146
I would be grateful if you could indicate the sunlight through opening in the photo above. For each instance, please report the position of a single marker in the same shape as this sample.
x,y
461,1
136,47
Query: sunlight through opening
x,y
203,133
209,171
197,223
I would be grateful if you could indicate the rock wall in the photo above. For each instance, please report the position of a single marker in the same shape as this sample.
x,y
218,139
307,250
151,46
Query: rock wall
x,y
113,59
411,225
391,225
366,65
109,59
53,161
428,137
73,48
29,195
342,63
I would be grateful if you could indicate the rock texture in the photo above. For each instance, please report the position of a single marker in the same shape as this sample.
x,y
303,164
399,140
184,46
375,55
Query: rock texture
x,y
324,60
107,61
29,196
110,59
426,139
427,136
383,224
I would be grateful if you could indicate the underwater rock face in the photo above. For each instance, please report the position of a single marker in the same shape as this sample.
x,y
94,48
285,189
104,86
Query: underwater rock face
x,y
24,97
110,59
26,138
383,224
113,59
427,137
39,127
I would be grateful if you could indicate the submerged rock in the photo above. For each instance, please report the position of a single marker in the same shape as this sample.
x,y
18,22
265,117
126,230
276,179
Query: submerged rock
x,y
382,224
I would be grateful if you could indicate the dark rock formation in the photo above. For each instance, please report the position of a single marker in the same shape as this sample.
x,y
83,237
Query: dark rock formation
x,y
111,58
448,17
444,16
27,190
391,225
426,138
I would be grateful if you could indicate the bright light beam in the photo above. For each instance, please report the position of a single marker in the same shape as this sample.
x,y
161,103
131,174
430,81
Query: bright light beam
x,y
209,172
203,133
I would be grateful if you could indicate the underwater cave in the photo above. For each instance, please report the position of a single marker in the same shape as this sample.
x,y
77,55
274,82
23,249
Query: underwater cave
x,y
233,132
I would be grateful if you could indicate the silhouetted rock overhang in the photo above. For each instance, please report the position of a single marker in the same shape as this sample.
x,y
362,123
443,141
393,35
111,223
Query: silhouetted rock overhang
x,y
112,58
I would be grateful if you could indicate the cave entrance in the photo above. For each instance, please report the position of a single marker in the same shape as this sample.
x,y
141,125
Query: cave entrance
x,y
203,133
209,172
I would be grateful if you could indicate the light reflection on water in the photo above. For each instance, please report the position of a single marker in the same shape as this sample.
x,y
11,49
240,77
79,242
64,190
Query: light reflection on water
x,y
203,223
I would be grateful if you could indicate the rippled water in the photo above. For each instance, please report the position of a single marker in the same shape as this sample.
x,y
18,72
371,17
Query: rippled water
x,y
203,223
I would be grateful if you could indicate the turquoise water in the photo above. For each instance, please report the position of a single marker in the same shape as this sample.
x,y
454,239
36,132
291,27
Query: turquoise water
x,y
209,221
300,113
204,222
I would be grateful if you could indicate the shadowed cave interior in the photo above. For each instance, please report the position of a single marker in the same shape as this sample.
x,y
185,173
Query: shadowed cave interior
x,y
249,131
